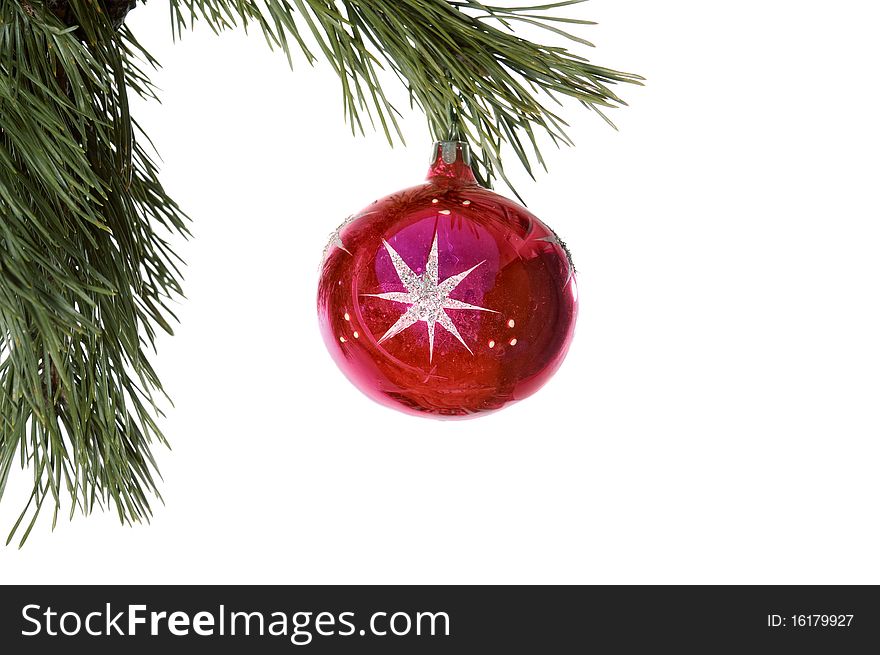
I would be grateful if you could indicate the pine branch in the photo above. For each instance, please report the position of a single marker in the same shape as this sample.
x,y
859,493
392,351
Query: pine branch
x,y
461,61
86,272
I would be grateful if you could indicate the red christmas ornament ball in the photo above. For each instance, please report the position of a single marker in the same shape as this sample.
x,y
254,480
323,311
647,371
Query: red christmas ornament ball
x,y
447,299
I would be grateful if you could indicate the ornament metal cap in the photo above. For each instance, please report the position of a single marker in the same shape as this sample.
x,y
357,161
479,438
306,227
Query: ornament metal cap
x,y
450,151
452,160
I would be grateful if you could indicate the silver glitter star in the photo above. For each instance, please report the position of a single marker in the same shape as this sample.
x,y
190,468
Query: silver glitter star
x,y
556,241
427,297
336,240
336,235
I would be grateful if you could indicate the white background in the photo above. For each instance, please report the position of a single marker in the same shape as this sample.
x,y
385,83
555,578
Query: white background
x,y
716,420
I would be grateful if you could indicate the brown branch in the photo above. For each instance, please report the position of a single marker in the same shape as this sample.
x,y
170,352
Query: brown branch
x,y
116,10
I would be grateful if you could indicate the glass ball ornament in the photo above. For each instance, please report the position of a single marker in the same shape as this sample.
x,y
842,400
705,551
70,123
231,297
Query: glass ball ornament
x,y
447,299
